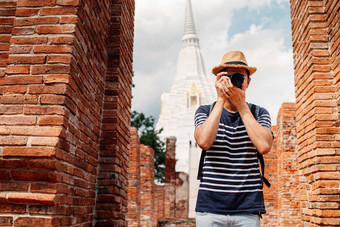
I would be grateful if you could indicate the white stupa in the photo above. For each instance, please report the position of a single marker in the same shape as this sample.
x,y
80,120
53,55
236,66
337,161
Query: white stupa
x,y
191,87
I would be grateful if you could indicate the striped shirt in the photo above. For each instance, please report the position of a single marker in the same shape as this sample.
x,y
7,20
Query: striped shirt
x,y
231,180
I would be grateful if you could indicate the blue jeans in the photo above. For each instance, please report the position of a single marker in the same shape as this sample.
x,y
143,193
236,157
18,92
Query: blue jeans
x,y
232,220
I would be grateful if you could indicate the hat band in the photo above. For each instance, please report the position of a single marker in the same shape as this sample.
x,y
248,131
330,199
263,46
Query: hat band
x,y
235,63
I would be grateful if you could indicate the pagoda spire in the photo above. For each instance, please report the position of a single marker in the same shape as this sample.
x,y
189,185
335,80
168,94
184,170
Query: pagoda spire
x,y
190,35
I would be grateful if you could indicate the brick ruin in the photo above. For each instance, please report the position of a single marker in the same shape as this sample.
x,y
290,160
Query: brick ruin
x,y
150,203
65,158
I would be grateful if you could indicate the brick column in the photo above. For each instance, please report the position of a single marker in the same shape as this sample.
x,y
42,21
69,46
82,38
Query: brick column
x,y
68,70
182,195
147,177
287,168
155,199
315,35
112,182
170,178
159,197
38,164
133,215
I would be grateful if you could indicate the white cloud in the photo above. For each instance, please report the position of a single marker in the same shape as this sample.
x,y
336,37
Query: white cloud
x,y
273,83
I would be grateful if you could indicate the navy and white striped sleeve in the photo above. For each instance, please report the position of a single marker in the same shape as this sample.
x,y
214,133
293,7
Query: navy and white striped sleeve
x,y
201,115
264,119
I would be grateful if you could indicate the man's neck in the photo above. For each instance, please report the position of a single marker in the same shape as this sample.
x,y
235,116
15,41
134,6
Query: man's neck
x,y
230,107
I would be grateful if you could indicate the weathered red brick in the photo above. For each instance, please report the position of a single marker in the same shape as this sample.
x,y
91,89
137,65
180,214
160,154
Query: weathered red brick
x,y
67,2
23,31
50,69
25,12
51,120
29,151
44,141
16,80
35,21
32,222
44,89
52,99
12,208
14,186
32,3
20,59
9,109
18,99
58,78
68,20
31,198
7,12
54,58
34,176
18,69
13,141
36,131
20,49
61,39
6,221
58,11
40,110
56,29
13,90
17,120
52,49
29,40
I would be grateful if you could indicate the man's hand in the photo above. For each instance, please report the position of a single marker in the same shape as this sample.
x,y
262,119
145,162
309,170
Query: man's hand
x,y
226,90
222,85
237,97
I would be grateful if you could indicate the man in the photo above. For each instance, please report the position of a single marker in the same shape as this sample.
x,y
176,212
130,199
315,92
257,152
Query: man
x,y
230,192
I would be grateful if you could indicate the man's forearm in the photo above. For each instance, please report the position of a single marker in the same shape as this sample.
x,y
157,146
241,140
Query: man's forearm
x,y
206,133
260,136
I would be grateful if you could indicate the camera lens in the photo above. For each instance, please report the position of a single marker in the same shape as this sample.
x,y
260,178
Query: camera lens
x,y
237,79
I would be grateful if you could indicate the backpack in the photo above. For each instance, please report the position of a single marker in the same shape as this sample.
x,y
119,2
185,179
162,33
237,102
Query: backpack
x,y
255,110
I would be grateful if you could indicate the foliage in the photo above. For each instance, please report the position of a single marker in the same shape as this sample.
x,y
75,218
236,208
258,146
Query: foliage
x,y
150,136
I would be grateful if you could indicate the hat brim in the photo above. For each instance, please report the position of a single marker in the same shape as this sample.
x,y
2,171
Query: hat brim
x,y
218,68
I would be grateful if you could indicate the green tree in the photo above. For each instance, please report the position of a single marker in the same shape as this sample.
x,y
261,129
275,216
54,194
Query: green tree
x,y
150,136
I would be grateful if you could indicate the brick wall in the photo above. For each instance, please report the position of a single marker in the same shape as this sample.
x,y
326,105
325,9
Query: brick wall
x,y
134,180
159,200
113,162
144,197
65,67
315,35
182,195
287,168
151,204
270,194
147,177
170,179
282,198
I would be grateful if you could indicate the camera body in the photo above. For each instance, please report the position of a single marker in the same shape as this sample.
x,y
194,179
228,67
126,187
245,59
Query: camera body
x,y
237,79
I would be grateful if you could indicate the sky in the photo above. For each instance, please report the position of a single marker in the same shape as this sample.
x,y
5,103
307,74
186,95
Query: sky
x,y
259,28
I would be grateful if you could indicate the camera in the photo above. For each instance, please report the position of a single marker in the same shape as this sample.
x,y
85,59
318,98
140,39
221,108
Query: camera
x,y
237,79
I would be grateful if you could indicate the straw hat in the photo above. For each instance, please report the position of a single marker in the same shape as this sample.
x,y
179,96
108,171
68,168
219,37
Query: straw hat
x,y
233,59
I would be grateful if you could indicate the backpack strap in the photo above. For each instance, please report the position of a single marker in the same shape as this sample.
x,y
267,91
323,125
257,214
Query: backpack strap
x,y
255,110
260,158
203,153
